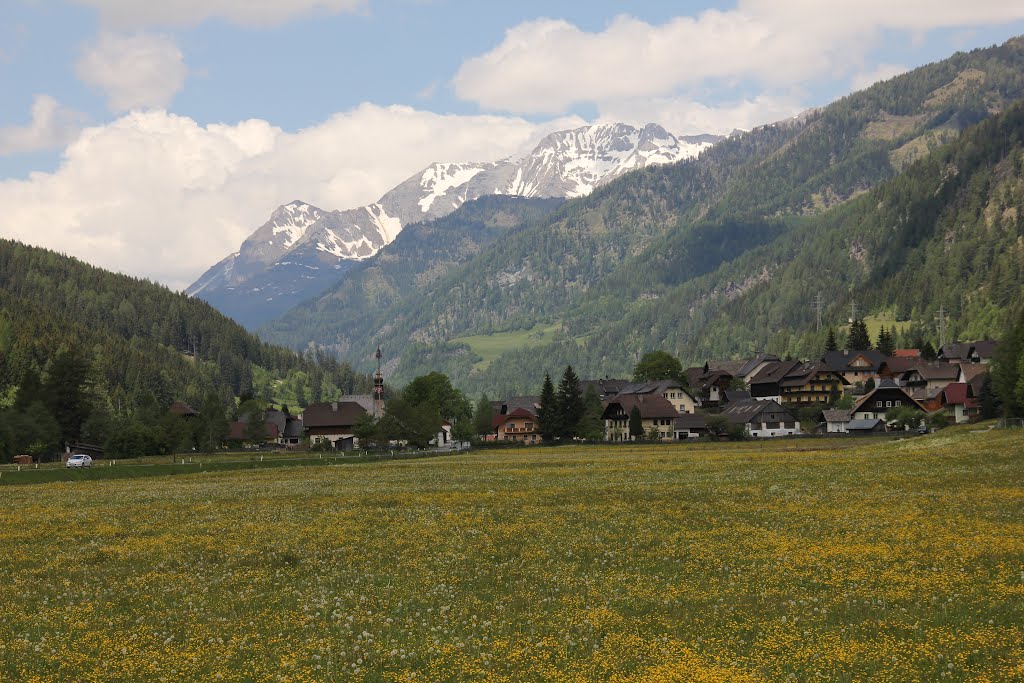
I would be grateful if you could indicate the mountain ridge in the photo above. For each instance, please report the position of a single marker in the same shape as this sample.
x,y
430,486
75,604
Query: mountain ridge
x,y
268,274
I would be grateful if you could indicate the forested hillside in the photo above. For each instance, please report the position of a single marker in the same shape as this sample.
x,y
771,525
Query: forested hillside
x,y
651,260
130,345
422,254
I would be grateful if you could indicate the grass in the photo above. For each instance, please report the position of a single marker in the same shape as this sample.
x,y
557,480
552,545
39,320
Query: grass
x,y
840,560
490,346
875,322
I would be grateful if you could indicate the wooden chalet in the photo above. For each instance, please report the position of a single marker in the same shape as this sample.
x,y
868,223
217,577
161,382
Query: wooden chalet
x,y
333,422
884,397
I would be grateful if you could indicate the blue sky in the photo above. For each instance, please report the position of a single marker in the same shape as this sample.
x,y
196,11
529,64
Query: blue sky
x,y
129,129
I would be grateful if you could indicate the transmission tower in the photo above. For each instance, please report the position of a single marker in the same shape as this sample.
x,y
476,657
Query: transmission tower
x,y
818,306
942,326
853,311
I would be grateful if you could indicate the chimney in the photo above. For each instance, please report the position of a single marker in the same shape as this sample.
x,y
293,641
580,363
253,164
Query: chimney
x,y
334,406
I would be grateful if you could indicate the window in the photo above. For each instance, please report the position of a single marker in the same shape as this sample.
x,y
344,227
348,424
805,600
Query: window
x,y
899,403
529,425
888,404
878,404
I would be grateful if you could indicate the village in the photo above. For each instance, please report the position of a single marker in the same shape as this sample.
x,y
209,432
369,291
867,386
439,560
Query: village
x,y
846,392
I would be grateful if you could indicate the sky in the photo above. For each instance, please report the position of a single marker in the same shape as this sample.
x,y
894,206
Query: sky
x,y
151,138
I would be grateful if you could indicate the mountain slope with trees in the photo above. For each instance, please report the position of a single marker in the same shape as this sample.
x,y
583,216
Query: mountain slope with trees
x,y
622,270
78,342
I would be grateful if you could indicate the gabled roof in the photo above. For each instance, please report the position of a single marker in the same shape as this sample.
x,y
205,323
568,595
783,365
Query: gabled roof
x,y
856,425
526,402
938,371
956,351
840,360
886,385
333,414
733,395
652,388
986,348
897,365
293,428
972,370
499,420
749,409
604,387
733,367
837,415
652,406
957,393
183,409
752,363
691,421
774,372
906,353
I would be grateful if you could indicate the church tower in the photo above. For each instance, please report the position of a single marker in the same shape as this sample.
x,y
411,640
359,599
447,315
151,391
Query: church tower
x,y
378,390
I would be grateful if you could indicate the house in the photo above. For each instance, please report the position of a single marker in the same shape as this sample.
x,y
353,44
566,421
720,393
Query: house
x,y
811,383
333,422
866,427
518,425
796,382
896,366
855,366
882,398
960,403
708,386
968,352
933,375
604,388
762,417
690,426
182,409
530,403
291,437
837,421
669,389
656,413
239,431
742,370
444,435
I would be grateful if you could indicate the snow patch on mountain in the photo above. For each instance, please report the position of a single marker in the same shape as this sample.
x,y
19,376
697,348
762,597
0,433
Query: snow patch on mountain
x,y
301,216
439,178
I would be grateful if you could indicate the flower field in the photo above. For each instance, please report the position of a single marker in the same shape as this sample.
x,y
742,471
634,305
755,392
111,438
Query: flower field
x,y
801,560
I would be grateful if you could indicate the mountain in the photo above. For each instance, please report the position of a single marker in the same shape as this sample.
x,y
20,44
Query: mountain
x,y
142,342
653,258
304,249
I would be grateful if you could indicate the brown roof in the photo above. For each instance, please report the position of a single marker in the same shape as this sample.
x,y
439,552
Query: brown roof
x,y
887,385
334,414
940,371
182,409
900,364
652,406
837,415
499,420
972,370
775,371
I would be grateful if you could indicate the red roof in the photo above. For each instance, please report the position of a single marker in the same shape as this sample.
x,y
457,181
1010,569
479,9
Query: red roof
x,y
906,353
499,420
956,393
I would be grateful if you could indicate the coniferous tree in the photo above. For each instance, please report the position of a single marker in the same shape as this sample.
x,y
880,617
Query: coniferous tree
x,y
885,344
1008,369
830,341
547,414
990,403
928,351
569,400
67,389
859,338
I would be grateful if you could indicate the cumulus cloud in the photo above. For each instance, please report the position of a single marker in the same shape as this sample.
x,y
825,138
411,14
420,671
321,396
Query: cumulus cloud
x,y
882,72
52,126
134,71
546,65
157,195
137,14
685,116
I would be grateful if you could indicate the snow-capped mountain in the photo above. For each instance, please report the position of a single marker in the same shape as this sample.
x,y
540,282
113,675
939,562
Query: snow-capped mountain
x,y
303,249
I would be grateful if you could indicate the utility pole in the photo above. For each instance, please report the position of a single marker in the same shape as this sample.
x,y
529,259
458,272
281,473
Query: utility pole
x,y
818,305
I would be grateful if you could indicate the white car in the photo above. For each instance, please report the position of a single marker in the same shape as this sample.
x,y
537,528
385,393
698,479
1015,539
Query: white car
x,y
79,460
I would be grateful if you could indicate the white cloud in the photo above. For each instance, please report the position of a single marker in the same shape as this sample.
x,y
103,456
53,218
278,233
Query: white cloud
x,y
157,195
52,126
134,71
882,72
143,13
684,116
546,65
